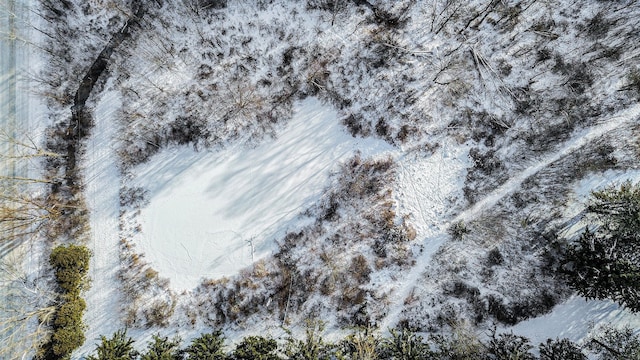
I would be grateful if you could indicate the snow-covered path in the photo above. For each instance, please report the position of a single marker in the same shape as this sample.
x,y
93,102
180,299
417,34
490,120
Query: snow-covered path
x,y
433,242
102,191
581,139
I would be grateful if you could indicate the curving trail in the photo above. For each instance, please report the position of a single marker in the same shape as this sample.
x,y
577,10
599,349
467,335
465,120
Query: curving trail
x,y
80,122
581,139
433,242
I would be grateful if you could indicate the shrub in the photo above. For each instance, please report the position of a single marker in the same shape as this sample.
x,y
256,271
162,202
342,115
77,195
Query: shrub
x,y
312,347
494,257
563,349
70,264
362,344
458,230
404,344
158,312
633,81
509,346
460,345
598,26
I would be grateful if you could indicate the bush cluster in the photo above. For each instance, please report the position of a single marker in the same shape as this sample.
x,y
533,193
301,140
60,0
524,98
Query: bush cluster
x,y
70,265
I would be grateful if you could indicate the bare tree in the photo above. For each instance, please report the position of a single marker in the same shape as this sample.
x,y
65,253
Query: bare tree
x,y
25,310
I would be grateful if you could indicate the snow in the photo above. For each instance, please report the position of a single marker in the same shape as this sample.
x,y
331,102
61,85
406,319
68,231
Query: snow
x,y
574,319
102,193
583,138
427,187
212,213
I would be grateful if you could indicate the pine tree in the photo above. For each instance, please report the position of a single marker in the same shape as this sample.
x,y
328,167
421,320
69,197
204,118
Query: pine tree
x,y
563,349
161,348
256,348
206,347
119,347
605,263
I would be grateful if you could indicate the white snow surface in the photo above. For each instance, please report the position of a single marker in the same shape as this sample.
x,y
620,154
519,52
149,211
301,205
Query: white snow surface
x,y
102,191
212,213
574,319
426,189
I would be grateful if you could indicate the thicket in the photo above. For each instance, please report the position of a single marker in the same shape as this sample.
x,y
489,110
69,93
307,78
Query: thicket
x,y
605,343
70,265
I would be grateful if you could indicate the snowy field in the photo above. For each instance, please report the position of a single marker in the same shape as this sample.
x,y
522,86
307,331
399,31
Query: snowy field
x,y
213,213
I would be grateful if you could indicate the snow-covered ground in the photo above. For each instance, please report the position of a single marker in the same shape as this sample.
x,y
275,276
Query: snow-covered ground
x,y
574,319
212,213
427,188
102,191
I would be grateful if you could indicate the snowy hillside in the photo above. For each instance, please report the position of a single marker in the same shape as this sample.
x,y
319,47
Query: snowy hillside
x,y
248,166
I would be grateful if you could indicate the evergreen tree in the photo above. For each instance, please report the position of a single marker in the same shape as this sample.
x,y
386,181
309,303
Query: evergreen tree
x,y
605,263
206,347
161,348
256,348
563,349
119,347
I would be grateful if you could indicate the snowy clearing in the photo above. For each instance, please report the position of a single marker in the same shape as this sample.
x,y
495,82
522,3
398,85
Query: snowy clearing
x,y
214,213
